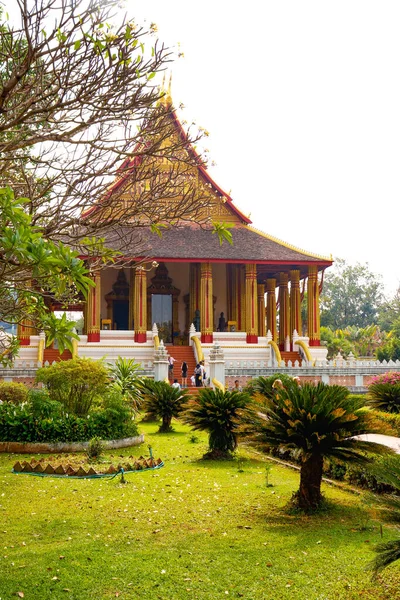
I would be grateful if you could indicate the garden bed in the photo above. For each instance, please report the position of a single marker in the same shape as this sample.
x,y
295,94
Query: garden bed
x,y
50,448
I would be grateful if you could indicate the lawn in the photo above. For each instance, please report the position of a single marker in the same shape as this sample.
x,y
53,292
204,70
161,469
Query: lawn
x,y
192,530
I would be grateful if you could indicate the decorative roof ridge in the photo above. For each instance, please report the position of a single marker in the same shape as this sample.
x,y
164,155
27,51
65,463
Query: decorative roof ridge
x,y
286,244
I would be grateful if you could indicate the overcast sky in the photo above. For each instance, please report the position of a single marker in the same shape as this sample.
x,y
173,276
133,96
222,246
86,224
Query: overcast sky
x,y
302,102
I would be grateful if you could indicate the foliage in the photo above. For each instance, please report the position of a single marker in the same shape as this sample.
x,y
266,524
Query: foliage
x,y
16,393
162,401
317,421
76,383
389,314
390,350
222,231
126,379
264,386
389,552
360,341
218,413
42,406
95,448
351,296
384,392
37,421
27,255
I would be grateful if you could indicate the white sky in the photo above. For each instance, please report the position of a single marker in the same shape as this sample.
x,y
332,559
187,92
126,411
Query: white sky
x,y
302,102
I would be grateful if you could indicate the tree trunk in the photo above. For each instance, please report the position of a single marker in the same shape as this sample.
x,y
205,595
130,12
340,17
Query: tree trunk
x,y
166,424
309,495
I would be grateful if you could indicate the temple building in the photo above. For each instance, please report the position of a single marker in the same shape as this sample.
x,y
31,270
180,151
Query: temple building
x,y
186,280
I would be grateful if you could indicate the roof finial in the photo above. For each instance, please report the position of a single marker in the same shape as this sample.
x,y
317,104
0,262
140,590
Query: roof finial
x,y
169,85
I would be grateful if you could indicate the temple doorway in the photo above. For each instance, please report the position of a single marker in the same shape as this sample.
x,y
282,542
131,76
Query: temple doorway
x,y
161,314
121,314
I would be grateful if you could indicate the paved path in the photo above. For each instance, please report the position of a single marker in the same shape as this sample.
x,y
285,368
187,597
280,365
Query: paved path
x,y
386,440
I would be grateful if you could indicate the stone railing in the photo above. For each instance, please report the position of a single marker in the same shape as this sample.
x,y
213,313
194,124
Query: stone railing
x,y
356,375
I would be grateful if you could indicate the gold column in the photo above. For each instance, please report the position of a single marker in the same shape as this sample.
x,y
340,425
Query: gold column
x,y
24,332
206,303
261,309
131,325
313,306
93,310
140,305
251,304
194,290
241,297
271,308
295,303
284,309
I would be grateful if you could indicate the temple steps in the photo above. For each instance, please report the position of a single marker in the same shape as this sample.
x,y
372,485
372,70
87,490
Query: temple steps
x,y
52,355
182,353
293,356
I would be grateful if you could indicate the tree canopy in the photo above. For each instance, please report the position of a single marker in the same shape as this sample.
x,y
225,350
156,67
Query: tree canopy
x,y
78,99
351,296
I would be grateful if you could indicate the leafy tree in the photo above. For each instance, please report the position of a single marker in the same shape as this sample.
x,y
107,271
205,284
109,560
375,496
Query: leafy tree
x,y
351,296
315,421
75,383
34,270
390,350
218,413
79,103
162,401
389,314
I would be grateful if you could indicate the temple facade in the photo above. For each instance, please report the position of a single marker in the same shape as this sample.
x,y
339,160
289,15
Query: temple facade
x,y
190,282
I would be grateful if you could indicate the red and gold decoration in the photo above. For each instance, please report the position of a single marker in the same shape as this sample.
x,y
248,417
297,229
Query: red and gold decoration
x,y
284,309
271,308
25,330
206,303
261,309
251,304
93,310
295,302
313,306
140,305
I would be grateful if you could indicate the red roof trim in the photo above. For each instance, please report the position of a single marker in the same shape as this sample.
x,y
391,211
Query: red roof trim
x,y
318,263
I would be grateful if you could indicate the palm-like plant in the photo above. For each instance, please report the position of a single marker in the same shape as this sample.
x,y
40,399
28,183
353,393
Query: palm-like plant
x,y
219,413
126,379
389,552
316,421
162,401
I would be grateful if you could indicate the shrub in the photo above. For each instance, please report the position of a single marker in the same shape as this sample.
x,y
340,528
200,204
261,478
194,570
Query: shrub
x,y
42,406
127,380
20,424
162,401
218,413
384,392
95,448
16,393
76,383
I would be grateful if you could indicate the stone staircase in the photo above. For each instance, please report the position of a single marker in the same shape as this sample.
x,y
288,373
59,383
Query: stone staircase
x,y
182,353
293,356
51,355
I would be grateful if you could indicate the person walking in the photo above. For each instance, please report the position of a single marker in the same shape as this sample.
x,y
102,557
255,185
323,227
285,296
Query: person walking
x,y
198,376
171,361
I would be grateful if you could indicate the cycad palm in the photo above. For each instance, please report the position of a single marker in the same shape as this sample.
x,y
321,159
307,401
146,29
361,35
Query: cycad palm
x,y
317,421
389,552
162,401
218,413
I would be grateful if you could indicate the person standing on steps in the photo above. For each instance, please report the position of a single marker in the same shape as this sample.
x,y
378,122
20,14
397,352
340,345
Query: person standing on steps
x,y
184,369
171,361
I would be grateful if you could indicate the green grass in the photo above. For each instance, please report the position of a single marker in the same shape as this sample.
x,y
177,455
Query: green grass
x,y
192,530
